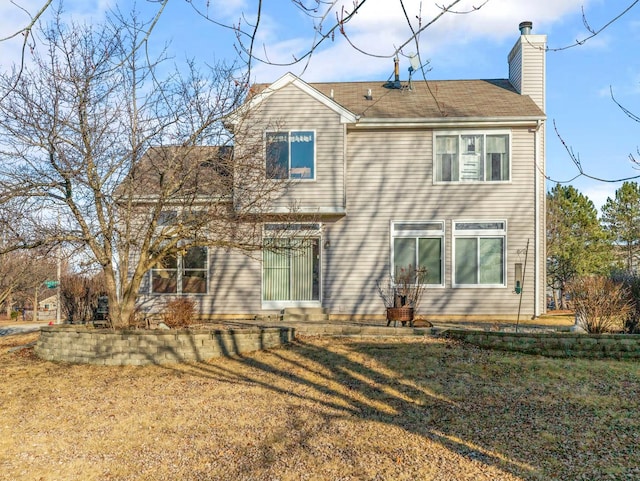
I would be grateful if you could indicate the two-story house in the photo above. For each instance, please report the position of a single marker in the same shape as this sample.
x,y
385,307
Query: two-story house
x,y
443,174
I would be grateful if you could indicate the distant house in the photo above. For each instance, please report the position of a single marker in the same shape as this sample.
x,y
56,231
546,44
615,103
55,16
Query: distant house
x,y
443,174
48,304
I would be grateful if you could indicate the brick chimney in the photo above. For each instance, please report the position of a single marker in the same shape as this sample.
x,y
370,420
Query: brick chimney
x,y
527,66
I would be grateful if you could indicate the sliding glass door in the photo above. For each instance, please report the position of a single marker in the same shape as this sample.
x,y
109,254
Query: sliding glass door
x,y
291,271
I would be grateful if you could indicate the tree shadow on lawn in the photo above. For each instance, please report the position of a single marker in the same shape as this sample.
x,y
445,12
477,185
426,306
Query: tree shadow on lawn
x,y
491,408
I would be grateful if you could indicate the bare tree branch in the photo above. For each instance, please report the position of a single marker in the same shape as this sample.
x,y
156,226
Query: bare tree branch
x,y
627,112
593,31
575,157
26,33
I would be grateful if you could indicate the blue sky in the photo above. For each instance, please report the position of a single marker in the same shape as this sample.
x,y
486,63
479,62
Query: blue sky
x,y
458,46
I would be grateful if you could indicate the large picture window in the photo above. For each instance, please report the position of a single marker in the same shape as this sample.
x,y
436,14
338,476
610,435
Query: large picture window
x,y
181,274
479,253
471,157
290,155
419,246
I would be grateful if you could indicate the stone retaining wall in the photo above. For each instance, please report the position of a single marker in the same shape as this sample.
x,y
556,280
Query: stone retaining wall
x,y
138,347
619,346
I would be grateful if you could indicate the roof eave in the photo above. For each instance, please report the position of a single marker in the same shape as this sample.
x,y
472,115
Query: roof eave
x,y
520,121
151,199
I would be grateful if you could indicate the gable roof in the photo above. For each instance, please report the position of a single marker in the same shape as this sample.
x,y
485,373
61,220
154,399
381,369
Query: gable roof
x,y
425,100
260,92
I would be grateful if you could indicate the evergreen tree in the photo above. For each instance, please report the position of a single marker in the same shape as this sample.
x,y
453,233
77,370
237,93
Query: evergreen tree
x,y
621,217
577,244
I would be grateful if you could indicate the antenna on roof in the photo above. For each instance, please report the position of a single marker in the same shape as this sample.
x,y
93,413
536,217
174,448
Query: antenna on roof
x,y
415,65
415,62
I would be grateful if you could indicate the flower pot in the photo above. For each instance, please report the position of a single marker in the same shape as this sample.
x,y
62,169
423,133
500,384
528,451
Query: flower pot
x,y
400,314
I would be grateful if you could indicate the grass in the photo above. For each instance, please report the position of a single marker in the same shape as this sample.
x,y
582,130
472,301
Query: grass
x,y
322,409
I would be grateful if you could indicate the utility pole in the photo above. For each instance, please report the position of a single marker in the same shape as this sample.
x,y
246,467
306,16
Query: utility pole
x,y
34,316
59,269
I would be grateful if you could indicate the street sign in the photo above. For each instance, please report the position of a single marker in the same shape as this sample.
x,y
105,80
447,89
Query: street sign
x,y
51,284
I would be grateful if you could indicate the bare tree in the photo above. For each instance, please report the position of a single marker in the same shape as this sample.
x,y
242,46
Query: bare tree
x,y
110,151
21,273
79,296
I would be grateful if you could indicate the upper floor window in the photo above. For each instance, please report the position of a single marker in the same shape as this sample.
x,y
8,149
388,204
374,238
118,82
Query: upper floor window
x,y
291,154
471,157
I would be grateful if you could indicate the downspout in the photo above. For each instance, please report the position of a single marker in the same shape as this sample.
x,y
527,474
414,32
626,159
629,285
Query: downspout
x,y
344,167
536,155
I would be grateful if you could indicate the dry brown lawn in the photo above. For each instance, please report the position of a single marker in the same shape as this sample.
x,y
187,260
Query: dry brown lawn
x,y
322,409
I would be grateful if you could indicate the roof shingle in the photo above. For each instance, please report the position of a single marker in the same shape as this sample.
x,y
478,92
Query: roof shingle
x,y
433,99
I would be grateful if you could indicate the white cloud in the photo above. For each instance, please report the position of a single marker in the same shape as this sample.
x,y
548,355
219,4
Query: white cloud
x,y
599,192
380,27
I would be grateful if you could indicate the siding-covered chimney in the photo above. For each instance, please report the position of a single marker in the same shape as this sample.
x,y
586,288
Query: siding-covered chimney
x,y
527,64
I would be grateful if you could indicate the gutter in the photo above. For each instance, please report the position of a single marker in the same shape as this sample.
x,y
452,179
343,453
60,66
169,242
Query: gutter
x,y
452,122
321,211
154,199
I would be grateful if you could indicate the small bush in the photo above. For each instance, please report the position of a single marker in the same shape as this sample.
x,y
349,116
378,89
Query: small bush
x,y
601,304
137,319
179,313
631,282
405,288
79,297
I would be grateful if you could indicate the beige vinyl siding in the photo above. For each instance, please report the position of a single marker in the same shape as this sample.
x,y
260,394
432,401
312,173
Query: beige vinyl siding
x,y
515,66
527,73
533,83
527,67
390,178
293,109
235,282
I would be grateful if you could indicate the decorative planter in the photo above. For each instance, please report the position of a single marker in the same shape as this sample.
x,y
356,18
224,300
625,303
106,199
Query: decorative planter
x,y
400,314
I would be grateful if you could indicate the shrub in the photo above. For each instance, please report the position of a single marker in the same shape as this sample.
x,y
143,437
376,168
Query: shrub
x,y
179,313
405,289
631,282
601,304
137,319
79,297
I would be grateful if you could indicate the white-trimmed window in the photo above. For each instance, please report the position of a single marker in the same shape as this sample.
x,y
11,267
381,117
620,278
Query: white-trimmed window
x,y
471,157
291,154
167,217
418,246
182,274
479,253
